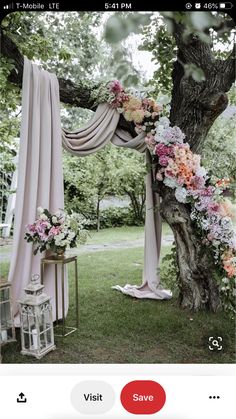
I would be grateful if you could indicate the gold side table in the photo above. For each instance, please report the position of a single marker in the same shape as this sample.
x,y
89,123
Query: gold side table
x,y
60,262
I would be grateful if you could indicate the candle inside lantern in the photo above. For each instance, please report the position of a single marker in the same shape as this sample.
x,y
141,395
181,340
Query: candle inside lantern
x,y
4,335
34,338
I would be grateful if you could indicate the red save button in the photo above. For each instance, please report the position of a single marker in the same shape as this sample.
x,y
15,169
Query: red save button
x,y
143,397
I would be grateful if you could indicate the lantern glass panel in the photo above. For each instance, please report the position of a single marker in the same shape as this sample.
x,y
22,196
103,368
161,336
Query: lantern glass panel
x,y
49,336
6,315
5,294
26,340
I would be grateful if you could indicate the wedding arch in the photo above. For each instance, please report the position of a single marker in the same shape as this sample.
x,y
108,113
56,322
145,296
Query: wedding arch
x,y
194,108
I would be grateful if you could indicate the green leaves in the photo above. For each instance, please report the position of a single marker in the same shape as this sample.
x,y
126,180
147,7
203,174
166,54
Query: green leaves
x,y
64,54
191,70
219,151
203,20
119,26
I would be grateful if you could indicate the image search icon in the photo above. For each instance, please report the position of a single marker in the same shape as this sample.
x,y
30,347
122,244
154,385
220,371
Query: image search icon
x,y
215,343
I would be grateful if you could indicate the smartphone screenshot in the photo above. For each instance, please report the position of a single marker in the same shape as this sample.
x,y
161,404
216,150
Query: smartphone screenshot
x,y
117,210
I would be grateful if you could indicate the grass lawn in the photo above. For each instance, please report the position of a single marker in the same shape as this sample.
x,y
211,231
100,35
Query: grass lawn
x,y
121,234
115,328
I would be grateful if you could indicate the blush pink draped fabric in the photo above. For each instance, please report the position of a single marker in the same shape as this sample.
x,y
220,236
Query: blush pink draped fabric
x,y
40,176
41,180
101,129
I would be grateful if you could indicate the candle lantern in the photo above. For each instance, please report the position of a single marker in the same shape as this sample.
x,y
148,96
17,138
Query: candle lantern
x,y
7,329
37,338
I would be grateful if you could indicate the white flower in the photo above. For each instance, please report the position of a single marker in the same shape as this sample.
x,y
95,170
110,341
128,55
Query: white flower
x,y
120,110
225,280
71,235
201,171
181,194
204,224
160,129
170,182
60,236
43,217
164,121
54,219
147,114
40,210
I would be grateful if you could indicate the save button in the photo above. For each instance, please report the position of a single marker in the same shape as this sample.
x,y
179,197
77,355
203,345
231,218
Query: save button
x,y
143,397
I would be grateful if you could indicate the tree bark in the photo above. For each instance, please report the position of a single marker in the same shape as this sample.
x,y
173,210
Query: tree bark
x,y
198,290
194,107
98,214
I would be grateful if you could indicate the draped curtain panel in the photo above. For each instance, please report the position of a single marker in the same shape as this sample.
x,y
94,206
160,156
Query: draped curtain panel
x,y
40,178
101,129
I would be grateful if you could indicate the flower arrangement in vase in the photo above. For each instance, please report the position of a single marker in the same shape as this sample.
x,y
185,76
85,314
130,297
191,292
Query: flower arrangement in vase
x,y
55,232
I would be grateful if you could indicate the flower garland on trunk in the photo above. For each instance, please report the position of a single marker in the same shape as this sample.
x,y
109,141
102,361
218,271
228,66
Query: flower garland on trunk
x,y
180,169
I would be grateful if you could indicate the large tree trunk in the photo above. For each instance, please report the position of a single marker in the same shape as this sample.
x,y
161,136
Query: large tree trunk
x,y
194,107
198,289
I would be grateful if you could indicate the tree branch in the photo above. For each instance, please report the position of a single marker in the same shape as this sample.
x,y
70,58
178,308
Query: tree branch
x,y
192,49
76,94
195,105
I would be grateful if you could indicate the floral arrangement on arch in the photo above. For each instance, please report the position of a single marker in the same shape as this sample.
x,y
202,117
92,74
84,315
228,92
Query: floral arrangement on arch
x,y
180,169
55,232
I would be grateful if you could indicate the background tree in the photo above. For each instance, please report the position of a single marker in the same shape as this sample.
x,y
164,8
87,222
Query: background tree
x,y
200,81
111,172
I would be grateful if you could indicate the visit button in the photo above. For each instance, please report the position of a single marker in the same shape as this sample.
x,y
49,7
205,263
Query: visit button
x,y
143,397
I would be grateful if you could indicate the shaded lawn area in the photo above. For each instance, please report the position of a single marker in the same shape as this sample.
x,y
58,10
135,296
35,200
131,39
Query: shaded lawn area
x,y
115,328
121,234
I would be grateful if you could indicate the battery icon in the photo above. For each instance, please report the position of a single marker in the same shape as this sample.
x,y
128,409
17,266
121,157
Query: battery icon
x,y
225,6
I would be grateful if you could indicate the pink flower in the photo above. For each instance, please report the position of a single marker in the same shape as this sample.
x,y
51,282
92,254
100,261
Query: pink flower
x,y
213,207
54,231
163,160
197,182
169,173
210,237
41,226
209,191
115,87
159,176
150,141
31,228
180,181
163,150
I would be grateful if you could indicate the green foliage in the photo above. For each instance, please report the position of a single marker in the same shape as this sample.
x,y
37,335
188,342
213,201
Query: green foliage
x,y
161,44
116,217
120,25
169,270
194,71
69,44
219,150
111,171
197,24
